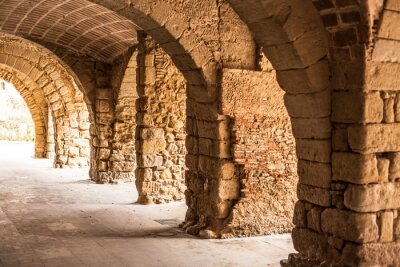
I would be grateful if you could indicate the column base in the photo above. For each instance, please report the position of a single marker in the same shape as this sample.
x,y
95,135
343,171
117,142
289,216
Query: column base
x,y
113,177
298,260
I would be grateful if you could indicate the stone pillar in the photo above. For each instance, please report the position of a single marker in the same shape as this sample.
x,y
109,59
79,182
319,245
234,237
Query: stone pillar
x,y
40,141
102,131
123,155
356,222
160,133
49,153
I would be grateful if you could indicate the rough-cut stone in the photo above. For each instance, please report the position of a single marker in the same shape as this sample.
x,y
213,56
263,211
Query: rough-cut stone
x,y
386,226
373,197
315,195
314,150
359,168
350,107
300,215
261,132
161,119
372,138
312,244
352,226
314,173
372,254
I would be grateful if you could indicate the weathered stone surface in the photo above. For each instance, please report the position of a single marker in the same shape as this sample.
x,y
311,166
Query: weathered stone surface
x,y
351,107
314,173
314,150
382,75
310,243
372,254
386,226
263,149
300,81
359,168
373,197
311,128
314,219
315,105
356,227
300,215
372,138
161,118
315,195
394,167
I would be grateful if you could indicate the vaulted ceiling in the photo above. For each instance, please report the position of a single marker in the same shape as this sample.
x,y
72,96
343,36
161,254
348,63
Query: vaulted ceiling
x,y
78,25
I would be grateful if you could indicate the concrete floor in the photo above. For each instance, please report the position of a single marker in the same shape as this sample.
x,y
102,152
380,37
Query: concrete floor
x,y
57,217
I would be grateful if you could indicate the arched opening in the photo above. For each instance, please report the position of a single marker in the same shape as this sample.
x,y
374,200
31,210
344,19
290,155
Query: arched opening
x,y
20,123
50,81
327,62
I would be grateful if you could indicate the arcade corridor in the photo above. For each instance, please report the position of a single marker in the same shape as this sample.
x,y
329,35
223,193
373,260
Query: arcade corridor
x,y
58,217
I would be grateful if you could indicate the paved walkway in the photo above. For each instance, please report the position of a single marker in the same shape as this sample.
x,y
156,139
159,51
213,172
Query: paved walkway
x,y
57,217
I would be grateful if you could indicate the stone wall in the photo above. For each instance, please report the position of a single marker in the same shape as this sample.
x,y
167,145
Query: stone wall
x,y
123,155
353,221
263,149
49,77
50,142
160,132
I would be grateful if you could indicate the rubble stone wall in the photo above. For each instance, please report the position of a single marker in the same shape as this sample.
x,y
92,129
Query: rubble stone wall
x,y
160,132
264,152
49,74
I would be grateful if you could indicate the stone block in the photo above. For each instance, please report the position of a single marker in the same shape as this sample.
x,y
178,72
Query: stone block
x,y
104,93
229,189
311,128
314,173
339,140
394,167
314,219
353,107
102,166
373,197
386,226
313,79
316,105
351,226
315,195
388,29
382,75
151,133
372,254
103,106
393,5
152,146
226,170
373,138
359,168
214,148
314,150
310,243
103,153
300,215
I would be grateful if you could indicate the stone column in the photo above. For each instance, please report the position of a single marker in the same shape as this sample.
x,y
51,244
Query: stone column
x,y
123,155
160,133
50,153
102,131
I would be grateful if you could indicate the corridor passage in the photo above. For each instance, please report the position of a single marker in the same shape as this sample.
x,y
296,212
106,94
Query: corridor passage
x,y
58,217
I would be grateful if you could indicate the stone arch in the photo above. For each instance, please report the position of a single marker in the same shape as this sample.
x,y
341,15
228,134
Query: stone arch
x,y
62,93
37,106
171,30
362,120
